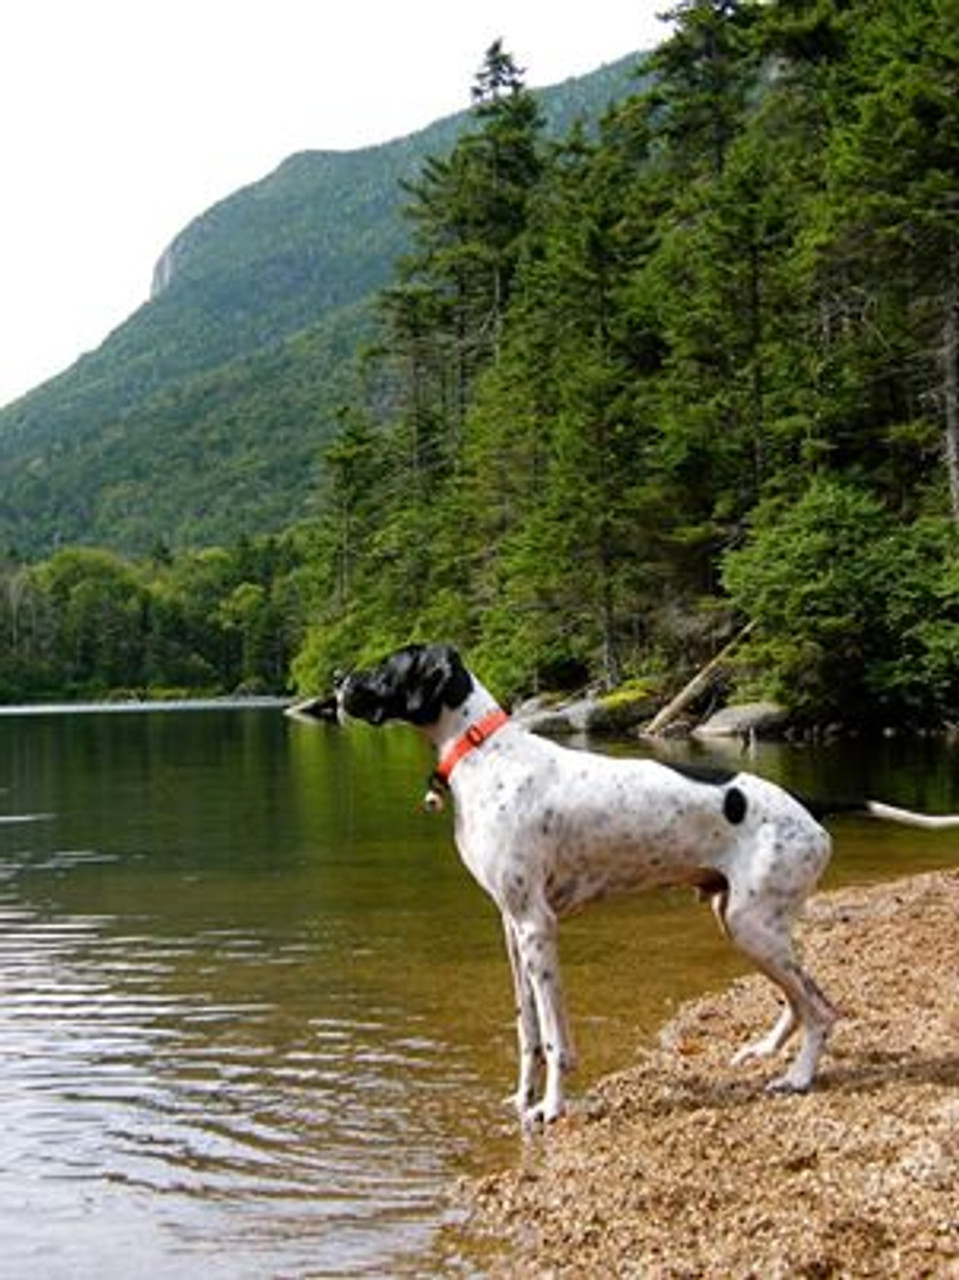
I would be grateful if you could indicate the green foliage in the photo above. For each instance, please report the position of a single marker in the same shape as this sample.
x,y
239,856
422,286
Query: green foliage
x,y
623,391
86,623
713,321
857,615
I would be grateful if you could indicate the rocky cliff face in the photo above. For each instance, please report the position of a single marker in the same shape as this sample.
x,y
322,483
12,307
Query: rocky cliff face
x,y
163,271
176,253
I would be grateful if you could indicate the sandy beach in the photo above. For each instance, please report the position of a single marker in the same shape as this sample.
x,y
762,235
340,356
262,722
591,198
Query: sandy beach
x,y
682,1166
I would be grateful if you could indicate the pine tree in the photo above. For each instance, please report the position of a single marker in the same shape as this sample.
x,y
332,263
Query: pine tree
x,y
888,236
444,324
469,212
703,79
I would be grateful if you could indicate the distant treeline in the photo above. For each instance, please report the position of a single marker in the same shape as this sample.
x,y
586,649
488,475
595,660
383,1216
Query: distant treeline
x,y
88,624
638,388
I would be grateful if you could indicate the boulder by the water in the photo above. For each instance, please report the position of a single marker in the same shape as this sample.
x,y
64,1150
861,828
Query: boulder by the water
x,y
610,714
748,719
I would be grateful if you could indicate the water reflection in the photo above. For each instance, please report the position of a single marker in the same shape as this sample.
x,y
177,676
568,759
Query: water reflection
x,y
253,1014
210,1042
193,1078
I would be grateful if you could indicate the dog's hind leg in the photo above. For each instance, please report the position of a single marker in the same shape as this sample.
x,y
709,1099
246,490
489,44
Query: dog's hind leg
x,y
788,1020
765,939
816,1016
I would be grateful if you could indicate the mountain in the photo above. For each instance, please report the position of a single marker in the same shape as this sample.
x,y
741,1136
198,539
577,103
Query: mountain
x,y
203,415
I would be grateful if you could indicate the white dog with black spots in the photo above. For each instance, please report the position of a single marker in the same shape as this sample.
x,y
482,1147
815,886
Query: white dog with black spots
x,y
546,829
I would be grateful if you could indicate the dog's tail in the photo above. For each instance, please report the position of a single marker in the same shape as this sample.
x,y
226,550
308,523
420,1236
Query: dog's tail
x,y
884,812
908,818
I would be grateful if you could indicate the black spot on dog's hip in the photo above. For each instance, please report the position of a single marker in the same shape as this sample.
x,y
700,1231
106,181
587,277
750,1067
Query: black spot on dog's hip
x,y
734,805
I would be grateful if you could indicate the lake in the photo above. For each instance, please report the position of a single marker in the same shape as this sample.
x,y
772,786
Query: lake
x,y
254,1015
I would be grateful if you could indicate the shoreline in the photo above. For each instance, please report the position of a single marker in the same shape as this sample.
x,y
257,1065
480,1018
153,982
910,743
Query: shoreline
x,y
683,1166
131,706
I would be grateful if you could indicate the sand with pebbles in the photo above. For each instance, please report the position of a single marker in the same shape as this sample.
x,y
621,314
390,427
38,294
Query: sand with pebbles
x,y
683,1167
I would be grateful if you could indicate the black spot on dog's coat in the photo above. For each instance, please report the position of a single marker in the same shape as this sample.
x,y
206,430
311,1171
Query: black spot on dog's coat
x,y
710,774
734,805
734,801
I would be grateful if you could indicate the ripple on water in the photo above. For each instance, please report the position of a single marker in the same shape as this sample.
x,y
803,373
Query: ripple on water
x,y
127,1078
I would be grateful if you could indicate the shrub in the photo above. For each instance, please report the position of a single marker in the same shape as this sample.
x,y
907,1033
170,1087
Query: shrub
x,y
857,617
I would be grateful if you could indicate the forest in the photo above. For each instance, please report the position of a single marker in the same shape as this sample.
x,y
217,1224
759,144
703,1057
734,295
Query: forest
x,y
628,392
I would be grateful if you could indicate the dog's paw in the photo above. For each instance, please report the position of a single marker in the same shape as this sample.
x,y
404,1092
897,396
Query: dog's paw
x,y
768,1047
542,1115
788,1084
520,1102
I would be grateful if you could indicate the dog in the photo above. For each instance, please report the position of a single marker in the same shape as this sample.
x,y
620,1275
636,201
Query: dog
x,y
545,830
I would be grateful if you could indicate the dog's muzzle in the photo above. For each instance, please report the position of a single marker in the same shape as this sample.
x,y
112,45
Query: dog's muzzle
x,y
358,699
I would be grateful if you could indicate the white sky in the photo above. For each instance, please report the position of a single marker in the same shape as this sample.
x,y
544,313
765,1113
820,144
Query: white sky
x,y
124,119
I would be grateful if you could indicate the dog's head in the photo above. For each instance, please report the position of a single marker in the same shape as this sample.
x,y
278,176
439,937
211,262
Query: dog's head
x,y
413,684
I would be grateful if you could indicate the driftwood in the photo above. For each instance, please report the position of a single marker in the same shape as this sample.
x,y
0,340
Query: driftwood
x,y
323,707
695,687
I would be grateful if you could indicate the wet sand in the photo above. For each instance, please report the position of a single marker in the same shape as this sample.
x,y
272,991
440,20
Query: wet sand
x,y
682,1166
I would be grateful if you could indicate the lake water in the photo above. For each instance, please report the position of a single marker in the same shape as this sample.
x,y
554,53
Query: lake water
x,y
254,1015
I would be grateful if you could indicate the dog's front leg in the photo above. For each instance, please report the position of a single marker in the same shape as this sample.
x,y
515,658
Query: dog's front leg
x,y
527,1023
537,944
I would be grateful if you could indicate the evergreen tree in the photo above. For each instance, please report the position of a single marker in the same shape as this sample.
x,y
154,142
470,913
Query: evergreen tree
x,y
469,212
892,220
703,80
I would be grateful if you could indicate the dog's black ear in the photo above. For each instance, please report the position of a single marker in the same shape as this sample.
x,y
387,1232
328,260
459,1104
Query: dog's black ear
x,y
438,679
459,683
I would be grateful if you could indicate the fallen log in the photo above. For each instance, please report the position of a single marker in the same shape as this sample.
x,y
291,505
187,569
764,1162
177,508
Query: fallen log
x,y
695,687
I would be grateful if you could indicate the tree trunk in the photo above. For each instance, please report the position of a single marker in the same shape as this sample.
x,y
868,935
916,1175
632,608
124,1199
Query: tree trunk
x,y
756,343
950,380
